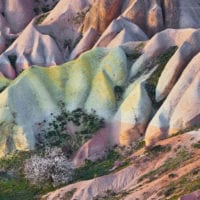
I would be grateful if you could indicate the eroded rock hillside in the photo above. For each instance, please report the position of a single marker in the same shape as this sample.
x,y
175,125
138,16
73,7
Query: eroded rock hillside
x,y
114,85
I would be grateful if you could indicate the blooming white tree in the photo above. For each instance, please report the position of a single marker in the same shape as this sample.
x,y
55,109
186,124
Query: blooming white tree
x,y
53,167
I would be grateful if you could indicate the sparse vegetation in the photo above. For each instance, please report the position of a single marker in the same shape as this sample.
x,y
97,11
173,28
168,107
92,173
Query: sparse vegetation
x,y
98,168
118,91
151,83
111,195
42,6
197,145
69,194
184,185
13,184
12,59
69,130
171,163
36,10
67,43
139,144
156,150
101,167
27,174
133,55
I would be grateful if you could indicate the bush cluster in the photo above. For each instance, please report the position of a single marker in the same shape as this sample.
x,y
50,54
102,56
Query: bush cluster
x,y
69,130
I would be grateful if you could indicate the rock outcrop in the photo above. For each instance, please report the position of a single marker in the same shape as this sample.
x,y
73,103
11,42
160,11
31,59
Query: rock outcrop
x,y
30,48
118,80
134,64
193,196
71,24
180,109
97,82
129,183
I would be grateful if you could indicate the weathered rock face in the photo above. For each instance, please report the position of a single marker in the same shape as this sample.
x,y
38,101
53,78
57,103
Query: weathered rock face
x,y
141,74
29,50
192,196
120,31
126,183
97,82
132,117
180,109
64,23
117,80
176,65
82,24
147,15
19,14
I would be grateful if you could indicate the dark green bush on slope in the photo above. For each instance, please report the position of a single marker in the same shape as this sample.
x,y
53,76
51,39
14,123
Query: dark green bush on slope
x,y
69,130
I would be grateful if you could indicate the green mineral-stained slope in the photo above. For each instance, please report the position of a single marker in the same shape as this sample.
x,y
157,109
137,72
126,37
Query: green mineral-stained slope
x,y
4,82
86,83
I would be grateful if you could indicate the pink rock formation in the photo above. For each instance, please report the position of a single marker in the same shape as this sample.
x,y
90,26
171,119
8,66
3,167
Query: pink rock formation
x,y
147,15
30,48
18,13
86,43
101,14
64,23
192,196
181,108
176,65
120,31
158,45
85,20
125,181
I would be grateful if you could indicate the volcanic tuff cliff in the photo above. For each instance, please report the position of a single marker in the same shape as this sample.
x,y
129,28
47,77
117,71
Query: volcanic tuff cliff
x,y
135,63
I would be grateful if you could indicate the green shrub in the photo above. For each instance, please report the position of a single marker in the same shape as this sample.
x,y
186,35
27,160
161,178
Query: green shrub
x,y
112,162
197,145
57,132
98,168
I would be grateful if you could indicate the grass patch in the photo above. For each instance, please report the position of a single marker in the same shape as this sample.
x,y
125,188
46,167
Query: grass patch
x,y
170,164
101,167
156,150
14,161
139,144
110,195
185,185
13,185
17,188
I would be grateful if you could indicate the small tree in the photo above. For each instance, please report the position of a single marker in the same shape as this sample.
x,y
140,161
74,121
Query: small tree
x,y
52,168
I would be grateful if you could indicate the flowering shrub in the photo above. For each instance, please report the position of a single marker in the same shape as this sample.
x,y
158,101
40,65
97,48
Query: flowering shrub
x,y
53,168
